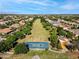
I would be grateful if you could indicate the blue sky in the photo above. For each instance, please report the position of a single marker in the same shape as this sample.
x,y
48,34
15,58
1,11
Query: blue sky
x,y
39,6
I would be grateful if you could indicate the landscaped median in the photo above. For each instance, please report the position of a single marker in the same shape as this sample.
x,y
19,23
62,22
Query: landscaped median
x,y
52,33
38,40
34,38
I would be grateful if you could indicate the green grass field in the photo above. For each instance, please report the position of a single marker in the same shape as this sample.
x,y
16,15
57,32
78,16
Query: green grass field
x,y
42,54
39,34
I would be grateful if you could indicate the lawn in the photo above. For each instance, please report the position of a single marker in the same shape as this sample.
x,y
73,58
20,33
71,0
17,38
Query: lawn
x,y
42,55
39,34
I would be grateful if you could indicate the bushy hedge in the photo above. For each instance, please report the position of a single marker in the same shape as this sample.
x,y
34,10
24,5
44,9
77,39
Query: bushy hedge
x,y
19,34
8,43
46,24
53,32
3,46
66,33
53,37
21,48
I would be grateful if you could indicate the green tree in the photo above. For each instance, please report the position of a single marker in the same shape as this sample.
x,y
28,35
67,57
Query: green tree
x,y
3,46
69,34
53,37
21,48
10,41
19,34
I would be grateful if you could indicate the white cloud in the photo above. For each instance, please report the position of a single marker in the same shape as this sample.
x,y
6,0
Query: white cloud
x,y
41,8
30,1
39,2
70,6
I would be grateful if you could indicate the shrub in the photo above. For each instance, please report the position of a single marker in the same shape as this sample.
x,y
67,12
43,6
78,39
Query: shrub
x,y
19,34
53,32
21,48
66,33
53,37
10,41
3,46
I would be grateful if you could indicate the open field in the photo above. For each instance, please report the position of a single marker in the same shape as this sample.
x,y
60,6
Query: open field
x,y
39,34
42,55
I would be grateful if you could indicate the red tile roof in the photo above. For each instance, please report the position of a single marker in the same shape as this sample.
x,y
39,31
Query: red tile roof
x,y
6,30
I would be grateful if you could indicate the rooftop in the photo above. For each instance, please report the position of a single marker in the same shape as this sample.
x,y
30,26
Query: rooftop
x,y
6,30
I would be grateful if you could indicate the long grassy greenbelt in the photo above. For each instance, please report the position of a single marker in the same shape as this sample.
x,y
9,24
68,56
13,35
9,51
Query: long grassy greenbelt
x,y
38,29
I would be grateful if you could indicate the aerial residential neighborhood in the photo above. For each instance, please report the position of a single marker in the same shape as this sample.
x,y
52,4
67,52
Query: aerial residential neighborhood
x,y
39,29
23,34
